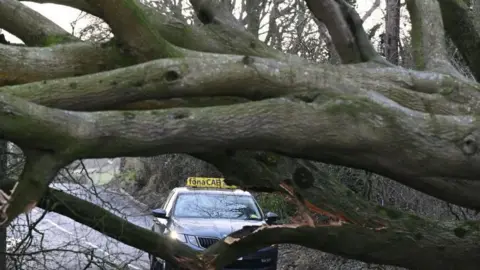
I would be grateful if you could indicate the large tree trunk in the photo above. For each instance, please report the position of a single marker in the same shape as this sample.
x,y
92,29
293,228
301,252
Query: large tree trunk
x,y
151,179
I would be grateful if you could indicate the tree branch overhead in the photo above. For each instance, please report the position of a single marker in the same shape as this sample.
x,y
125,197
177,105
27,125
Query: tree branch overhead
x,y
31,27
215,91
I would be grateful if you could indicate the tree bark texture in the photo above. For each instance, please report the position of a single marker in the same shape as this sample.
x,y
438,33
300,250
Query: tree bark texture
x,y
260,116
392,31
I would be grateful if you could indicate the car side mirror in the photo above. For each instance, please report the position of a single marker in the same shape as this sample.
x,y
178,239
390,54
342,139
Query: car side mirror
x,y
271,218
159,213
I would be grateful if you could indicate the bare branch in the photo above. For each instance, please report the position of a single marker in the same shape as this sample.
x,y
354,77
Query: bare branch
x,y
428,37
370,11
132,27
30,26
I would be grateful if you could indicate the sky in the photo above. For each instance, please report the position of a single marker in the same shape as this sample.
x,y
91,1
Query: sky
x,y
63,16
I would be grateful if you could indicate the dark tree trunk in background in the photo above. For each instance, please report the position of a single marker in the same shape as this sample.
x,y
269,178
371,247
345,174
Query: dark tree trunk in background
x,y
392,31
253,10
150,179
3,231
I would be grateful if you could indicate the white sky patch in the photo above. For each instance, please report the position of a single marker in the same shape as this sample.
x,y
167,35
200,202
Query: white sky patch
x,y
64,16
61,15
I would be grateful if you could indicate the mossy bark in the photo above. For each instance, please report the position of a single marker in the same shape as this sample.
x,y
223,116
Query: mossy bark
x,y
418,128
30,26
461,25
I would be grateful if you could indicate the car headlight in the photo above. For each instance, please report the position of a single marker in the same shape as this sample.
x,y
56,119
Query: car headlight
x,y
192,240
178,236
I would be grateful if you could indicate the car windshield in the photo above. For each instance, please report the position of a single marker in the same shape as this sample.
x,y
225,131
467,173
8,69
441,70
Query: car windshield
x,y
217,206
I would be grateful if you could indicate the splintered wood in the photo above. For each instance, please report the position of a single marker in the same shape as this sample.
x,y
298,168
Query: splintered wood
x,y
5,200
304,206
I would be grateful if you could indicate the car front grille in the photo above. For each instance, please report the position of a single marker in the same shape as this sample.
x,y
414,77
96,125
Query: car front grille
x,y
206,242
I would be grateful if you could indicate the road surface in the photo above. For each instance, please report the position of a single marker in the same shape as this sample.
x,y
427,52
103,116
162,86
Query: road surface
x,y
63,238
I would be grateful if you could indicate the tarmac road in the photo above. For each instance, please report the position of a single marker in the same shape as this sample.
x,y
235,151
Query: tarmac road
x,y
63,237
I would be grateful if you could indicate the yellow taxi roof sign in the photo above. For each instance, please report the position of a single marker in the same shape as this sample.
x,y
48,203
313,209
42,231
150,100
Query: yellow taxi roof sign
x,y
208,182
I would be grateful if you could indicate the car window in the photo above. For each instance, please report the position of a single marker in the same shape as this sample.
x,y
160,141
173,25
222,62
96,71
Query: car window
x,y
217,206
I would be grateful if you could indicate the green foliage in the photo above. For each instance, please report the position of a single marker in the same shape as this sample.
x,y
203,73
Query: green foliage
x,y
275,203
128,175
54,40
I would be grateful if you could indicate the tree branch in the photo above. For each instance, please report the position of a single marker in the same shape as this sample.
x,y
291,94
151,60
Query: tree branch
x,y
180,102
152,80
118,228
78,4
361,37
29,124
267,171
329,13
215,38
30,26
40,168
383,120
346,29
57,61
215,12
405,235
367,131
271,125
222,25
132,27
212,76
428,38
399,246
370,11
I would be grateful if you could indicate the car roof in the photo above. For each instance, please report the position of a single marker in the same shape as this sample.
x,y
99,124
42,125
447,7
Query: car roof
x,y
238,192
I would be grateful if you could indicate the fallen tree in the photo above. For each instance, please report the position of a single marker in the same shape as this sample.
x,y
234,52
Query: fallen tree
x,y
259,115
